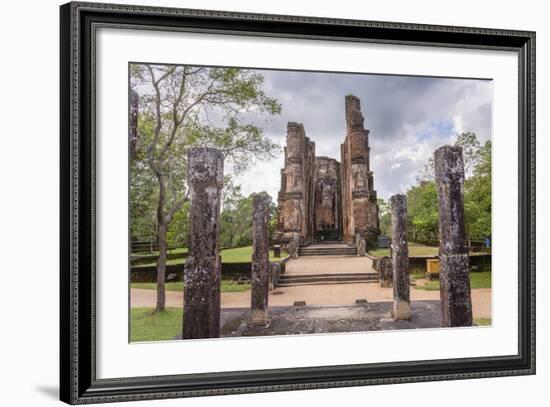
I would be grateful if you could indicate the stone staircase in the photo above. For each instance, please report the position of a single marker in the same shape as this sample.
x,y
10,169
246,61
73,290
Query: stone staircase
x,y
384,242
328,249
344,267
323,279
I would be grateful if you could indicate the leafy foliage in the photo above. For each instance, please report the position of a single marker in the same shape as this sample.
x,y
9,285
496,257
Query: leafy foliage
x,y
236,217
477,197
179,107
384,215
423,211
471,155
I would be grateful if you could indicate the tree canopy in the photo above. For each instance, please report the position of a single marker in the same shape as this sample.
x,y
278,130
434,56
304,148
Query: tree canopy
x,y
182,106
423,211
187,106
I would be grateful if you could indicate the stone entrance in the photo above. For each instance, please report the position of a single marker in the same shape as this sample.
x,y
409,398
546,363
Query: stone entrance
x,y
322,199
328,199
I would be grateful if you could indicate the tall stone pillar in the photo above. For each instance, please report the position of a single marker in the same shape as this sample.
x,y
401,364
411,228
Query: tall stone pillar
x,y
454,274
294,172
400,258
295,198
260,259
360,209
202,276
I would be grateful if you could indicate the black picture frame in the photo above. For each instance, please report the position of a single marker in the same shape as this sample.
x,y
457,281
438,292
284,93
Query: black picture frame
x,y
78,382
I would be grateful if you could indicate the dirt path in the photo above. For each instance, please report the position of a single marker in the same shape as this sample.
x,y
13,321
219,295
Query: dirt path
x,y
334,294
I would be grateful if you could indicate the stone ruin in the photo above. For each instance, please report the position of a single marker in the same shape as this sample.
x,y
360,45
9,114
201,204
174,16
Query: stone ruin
x,y
454,274
313,205
322,199
400,258
202,273
261,268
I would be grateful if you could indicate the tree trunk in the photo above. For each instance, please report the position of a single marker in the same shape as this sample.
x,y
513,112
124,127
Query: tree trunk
x,y
161,262
161,269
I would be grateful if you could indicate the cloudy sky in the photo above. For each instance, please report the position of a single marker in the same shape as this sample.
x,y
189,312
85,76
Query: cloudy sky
x,y
408,118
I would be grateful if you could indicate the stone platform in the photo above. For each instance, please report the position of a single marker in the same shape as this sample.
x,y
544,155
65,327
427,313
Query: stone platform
x,y
321,270
299,320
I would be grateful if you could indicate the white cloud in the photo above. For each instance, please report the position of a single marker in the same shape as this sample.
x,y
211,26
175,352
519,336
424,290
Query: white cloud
x,y
408,118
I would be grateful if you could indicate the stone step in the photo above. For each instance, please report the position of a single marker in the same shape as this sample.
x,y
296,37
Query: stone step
x,y
326,281
324,278
384,242
326,248
328,242
329,250
353,254
371,274
283,285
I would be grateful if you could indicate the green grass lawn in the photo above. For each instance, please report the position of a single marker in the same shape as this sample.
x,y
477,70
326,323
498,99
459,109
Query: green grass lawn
x,y
228,286
146,325
482,321
181,250
415,249
235,255
243,255
417,274
477,280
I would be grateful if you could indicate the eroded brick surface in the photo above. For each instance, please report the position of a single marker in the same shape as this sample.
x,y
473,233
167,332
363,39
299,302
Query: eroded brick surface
x,y
324,199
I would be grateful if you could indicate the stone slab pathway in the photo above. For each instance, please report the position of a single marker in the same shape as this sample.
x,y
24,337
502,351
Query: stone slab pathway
x,y
313,319
329,265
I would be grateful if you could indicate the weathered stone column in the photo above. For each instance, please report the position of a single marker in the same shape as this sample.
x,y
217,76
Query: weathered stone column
x,y
295,197
201,310
260,259
360,210
400,258
454,274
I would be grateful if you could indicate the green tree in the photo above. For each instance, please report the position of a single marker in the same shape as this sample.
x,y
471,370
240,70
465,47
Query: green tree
x,y
470,151
176,104
477,196
143,193
423,212
423,208
236,218
178,229
384,216
231,197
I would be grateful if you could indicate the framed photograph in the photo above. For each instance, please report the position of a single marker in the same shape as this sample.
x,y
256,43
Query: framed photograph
x,y
254,203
